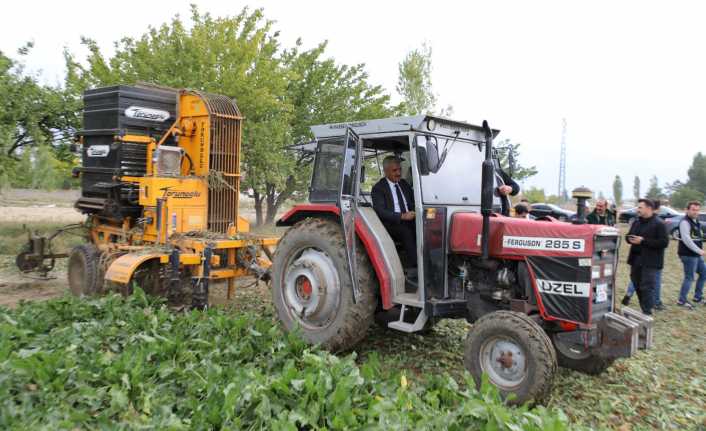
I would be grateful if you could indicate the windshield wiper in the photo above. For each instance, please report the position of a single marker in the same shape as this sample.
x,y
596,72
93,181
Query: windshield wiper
x,y
447,148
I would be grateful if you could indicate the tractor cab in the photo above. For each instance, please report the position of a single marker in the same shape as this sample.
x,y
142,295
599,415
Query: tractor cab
x,y
441,159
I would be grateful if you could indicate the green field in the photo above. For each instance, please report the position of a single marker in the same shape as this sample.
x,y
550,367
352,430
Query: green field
x,y
91,356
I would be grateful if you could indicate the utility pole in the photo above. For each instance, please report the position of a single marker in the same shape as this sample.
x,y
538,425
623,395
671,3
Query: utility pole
x,y
561,193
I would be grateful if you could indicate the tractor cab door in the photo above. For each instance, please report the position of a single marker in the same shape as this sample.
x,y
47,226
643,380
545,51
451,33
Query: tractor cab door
x,y
348,201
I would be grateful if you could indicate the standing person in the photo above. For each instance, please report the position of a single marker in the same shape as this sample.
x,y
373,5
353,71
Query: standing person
x,y
659,305
647,238
600,214
691,240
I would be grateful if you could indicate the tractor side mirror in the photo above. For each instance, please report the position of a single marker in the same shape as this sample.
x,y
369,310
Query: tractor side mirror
x,y
362,173
432,155
422,163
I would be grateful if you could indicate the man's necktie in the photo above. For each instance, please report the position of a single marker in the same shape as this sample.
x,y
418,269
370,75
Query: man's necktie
x,y
400,199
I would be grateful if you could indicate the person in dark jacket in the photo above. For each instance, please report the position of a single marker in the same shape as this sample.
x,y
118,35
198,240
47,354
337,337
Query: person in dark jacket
x,y
509,188
691,244
658,304
647,238
393,201
600,214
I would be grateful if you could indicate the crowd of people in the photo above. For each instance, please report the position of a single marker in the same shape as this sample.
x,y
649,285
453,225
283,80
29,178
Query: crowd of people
x,y
648,239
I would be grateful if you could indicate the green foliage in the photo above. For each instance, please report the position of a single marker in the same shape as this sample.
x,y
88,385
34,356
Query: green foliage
x,y
697,173
34,119
518,172
618,190
636,188
655,191
414,83
683,195
117,363
535,195
280,91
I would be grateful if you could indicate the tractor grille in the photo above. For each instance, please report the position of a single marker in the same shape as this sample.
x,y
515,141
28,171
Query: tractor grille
x,y
605,257
224,162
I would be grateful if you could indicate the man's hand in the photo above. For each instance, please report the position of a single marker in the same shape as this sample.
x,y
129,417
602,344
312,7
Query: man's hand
x,y
701,252
504,190
634,239
409,215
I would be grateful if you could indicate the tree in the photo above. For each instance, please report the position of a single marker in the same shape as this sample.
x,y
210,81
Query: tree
x,y
680,197
654,192
636,188
618,190
534,195
280,92
414,83
517,171
32,115
697,173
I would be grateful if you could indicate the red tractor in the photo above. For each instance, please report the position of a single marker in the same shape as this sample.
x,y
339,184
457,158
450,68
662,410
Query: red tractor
x,y
539,293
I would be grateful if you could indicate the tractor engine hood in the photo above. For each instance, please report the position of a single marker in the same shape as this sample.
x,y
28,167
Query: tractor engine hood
x,y
521,237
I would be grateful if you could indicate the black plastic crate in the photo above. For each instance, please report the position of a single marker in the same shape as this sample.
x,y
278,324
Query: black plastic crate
x,y
128,109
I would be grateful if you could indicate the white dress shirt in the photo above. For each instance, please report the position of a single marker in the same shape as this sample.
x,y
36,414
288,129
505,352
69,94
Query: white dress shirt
x,y
394,196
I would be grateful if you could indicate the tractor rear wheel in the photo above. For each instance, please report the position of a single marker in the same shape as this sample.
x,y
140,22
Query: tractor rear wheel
x,y
514,352
85,276
578,358
312,288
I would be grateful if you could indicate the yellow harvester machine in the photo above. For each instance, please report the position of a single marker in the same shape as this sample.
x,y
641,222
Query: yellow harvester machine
x,y
161,201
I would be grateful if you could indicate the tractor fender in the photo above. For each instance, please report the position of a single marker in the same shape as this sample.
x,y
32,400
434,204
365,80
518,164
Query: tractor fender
x,y
122,268
386,265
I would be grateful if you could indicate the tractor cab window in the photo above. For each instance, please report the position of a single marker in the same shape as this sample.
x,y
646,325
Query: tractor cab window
x,y
458,179
327,171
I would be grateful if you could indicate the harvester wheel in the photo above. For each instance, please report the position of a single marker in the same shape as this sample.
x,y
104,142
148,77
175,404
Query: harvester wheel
x,y
579,359
514,352
312,289
84,273
149,277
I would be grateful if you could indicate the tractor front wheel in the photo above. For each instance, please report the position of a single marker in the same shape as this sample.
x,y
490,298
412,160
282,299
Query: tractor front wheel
x,y
578,358
514,352
312,288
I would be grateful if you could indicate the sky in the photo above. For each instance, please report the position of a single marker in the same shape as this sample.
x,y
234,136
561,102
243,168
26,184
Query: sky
x,y
629,77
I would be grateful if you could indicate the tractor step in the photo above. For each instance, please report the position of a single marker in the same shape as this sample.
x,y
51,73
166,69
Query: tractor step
x,y
411,299
403,326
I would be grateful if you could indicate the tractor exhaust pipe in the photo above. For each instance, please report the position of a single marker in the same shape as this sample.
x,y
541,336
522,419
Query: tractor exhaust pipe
x,y
486,197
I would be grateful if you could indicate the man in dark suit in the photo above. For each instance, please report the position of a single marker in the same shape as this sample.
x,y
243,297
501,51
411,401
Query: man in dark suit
x,y
393,201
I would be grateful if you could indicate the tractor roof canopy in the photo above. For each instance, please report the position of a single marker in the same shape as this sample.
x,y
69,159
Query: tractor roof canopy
x,y
396,125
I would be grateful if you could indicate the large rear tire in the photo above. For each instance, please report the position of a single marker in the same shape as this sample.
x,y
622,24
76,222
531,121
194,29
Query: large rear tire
x,y
514,352
579,359
84,274
312,289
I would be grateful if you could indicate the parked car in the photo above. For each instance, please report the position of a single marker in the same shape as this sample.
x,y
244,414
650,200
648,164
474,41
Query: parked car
x,y
664,213
543,210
